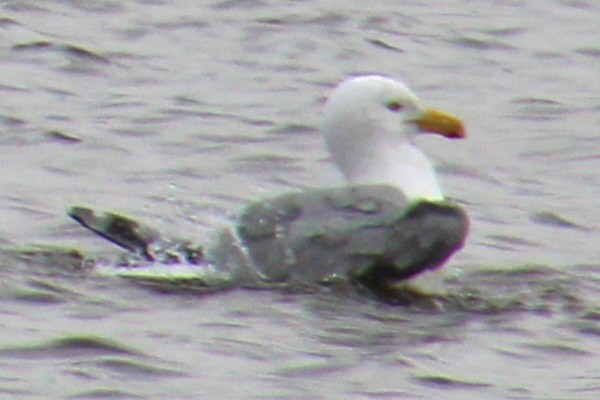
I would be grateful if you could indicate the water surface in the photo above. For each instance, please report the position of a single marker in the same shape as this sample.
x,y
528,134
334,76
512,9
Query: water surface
x,y
179,113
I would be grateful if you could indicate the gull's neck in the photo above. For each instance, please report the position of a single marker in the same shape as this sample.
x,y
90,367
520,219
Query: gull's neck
x,y
403,166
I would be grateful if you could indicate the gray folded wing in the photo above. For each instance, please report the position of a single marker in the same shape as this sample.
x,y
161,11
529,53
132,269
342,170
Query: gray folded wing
x,y
368,232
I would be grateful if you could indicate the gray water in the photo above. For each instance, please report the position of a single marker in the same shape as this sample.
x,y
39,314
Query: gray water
x,y
178,113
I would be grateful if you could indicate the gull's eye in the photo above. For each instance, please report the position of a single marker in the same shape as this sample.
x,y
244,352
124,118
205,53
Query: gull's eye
x,y
394,105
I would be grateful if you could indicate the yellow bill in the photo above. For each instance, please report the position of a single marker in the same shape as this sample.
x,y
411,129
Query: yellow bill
x,y
441,123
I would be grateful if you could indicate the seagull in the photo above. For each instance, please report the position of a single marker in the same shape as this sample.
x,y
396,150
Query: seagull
x,y
387,224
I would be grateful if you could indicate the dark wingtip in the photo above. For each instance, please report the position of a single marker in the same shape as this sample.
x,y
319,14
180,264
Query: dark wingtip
x,y
119,229
80,213
135,236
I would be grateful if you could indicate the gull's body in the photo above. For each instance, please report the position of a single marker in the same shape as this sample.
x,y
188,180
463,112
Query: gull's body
x,y
388,224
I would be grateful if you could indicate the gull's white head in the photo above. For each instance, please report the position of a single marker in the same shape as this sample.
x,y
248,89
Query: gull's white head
x,y
369,126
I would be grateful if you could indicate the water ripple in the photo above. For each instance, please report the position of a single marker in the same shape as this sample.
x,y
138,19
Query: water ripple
x,y
69,347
